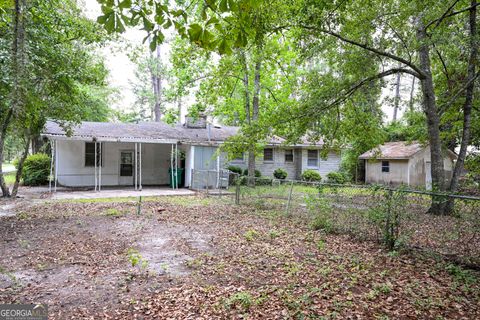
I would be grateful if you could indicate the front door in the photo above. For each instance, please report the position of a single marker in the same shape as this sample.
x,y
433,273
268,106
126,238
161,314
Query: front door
x,y
126,168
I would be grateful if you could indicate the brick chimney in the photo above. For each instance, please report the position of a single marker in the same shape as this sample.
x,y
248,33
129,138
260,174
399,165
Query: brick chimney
x,y
199,122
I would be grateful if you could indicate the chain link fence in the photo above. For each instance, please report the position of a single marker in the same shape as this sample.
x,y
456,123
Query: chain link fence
x,y
398,218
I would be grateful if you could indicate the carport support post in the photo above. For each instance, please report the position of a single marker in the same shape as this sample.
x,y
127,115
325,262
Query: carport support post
x,y
171,168
140,167
100,169
95,166
56,166
50,178
176,165
135,168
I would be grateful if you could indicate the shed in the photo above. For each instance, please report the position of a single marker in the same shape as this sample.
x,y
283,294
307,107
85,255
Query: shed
x,y
403,162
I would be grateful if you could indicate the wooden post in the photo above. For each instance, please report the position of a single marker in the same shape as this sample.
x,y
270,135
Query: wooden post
x,y
289,197
237,191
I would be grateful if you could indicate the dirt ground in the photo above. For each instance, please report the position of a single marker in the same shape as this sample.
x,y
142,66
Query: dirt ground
x,y
196,258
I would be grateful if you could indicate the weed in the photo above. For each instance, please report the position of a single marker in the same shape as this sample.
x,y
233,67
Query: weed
x,y
321,245
293,268
250,235
136,259
273,234
242,299
22,215
113,212
461,275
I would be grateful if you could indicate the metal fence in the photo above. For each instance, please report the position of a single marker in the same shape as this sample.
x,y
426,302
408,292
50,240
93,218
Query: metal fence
x,y
398,218
212,181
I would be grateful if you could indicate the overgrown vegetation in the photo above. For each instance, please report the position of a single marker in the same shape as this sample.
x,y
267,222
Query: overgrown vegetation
x,y
36,169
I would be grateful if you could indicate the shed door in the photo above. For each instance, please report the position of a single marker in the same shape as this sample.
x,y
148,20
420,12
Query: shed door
x,y
428,175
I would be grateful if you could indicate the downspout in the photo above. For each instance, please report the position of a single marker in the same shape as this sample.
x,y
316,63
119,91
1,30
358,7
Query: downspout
x,y
95,165
100,169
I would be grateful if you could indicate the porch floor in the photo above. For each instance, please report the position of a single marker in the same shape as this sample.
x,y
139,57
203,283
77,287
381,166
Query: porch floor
x,y
119,193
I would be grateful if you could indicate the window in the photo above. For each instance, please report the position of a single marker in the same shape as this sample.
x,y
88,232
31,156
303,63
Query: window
x,y
385,166
90,154
268,154
288,155
312,158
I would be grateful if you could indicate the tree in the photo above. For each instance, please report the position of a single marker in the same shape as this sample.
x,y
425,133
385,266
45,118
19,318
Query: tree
x,y
410,34
50,73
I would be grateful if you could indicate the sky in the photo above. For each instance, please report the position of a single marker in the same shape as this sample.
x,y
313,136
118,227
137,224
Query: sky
x,y
122,70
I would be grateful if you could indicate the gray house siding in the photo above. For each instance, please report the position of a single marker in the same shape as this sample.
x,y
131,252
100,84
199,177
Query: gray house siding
x,y
324,166
294,169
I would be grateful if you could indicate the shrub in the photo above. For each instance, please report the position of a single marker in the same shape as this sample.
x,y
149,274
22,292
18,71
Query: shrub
x,y
311,175
235,169
336,177
36,169
280,173
258,174
264,181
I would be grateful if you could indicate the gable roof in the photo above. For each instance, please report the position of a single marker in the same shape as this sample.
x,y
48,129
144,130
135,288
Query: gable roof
x,y
153,132
394,150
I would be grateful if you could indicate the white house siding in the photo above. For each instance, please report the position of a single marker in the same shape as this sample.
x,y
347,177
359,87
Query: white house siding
x,y
72,171
324,166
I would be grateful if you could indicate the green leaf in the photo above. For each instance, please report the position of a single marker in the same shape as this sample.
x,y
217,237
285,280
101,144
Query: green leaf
x,y
195,31
125,4
223,6
224,47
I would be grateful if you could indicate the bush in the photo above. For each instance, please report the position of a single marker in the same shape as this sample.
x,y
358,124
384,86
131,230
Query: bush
x,y
235,169
336,177
36,169
258,174
311,175
280,173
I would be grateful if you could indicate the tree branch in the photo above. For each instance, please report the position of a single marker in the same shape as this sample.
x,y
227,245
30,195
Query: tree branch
x,y
418,72
452,14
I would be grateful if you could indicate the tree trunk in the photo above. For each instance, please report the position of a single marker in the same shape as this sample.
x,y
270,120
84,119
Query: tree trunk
x,y
157,85
467,106
397,97
433,119
3,135
255,111
20,168
412,91
18,62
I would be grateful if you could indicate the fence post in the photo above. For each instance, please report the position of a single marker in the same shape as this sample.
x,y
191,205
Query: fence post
x,y
139,205
388,237
237,191
289,198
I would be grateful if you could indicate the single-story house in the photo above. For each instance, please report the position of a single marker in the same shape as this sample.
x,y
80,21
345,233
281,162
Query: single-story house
x,y
96,154
402,162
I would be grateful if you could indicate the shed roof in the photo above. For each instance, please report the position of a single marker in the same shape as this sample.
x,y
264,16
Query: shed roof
x,y
156,132
394,150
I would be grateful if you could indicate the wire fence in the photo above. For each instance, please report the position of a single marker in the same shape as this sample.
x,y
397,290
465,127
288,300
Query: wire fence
x,y
398,218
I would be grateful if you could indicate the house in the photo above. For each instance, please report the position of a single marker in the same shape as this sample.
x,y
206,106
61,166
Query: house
x,y
98,154
401,162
